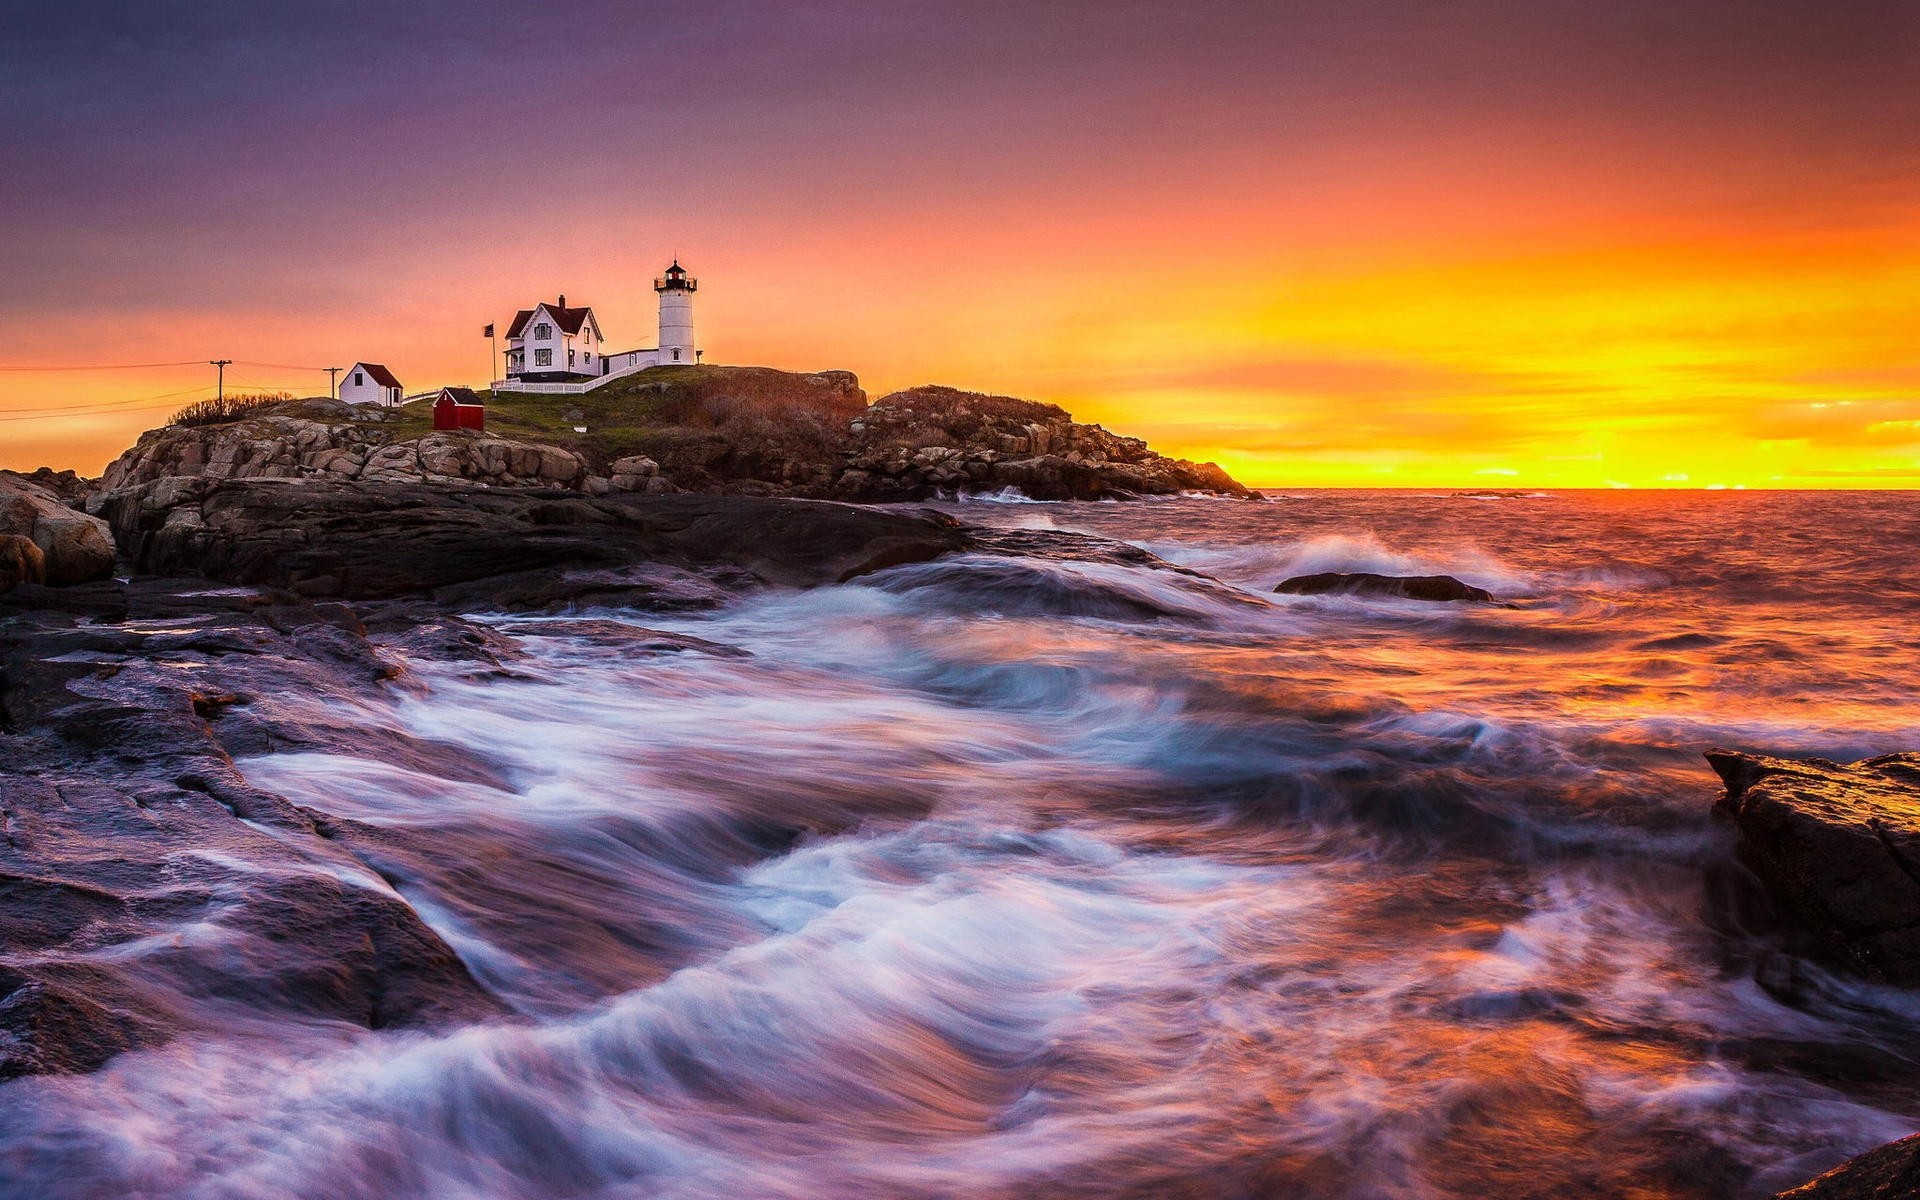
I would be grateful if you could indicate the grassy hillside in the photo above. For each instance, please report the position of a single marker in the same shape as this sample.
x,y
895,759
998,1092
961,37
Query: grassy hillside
x,y
675,414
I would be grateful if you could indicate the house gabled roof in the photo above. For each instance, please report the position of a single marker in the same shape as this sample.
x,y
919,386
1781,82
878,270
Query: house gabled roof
x,y
380,374
568,319
462,395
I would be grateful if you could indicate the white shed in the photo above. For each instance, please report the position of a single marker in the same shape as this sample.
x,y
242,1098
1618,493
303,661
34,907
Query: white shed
x,y
369,383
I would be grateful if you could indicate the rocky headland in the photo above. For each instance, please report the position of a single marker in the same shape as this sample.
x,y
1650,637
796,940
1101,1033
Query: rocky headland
x,y
724,430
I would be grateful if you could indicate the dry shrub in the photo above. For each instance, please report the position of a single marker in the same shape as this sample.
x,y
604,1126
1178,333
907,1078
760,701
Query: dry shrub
x,y
224,409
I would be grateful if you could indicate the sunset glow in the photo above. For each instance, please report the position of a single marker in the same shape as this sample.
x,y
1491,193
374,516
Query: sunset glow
x,y
1454,247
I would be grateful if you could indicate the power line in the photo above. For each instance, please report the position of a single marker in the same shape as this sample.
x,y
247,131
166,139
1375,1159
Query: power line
x,y
54,410
125,406
144,408
112,367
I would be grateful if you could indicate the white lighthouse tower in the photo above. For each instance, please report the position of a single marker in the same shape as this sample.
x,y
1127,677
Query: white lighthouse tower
x,y
676,290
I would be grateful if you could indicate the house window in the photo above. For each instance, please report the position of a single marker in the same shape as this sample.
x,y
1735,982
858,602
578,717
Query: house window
x,y
543,332
569,356
589,358
359,380
543,358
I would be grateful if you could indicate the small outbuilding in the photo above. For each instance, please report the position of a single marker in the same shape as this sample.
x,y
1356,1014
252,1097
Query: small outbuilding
x,y
459,408
370,383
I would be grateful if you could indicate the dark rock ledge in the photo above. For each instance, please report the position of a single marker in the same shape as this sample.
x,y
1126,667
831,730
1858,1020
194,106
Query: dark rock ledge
x,y
377,540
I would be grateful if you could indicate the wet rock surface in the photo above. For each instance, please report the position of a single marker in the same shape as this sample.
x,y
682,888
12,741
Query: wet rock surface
x,y
147,888
1891,1172
1838,848
1434,588
144,884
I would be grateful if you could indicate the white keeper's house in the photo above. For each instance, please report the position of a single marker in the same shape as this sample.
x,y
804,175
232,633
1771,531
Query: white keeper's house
x,y
559,347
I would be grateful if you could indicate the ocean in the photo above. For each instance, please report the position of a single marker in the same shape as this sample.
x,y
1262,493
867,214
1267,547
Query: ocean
x,y
1089,873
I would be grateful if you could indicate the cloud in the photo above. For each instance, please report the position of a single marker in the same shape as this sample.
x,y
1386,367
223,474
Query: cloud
x,y
1838,423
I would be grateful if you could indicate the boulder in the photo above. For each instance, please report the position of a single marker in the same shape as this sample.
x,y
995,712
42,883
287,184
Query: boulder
x,y
21,561
631,474
1838,847
74,547
1437,588
1891,1172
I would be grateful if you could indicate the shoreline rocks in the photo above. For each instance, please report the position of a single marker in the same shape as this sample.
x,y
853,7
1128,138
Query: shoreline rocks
x,y
1838,846
123,821
124,703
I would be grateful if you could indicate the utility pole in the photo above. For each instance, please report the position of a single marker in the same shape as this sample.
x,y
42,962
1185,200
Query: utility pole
x,y
220,383
333,376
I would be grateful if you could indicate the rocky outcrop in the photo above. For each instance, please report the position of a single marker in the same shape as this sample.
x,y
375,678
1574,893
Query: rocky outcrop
x,y
1436,588
1838,847
931,440
364,540
69,486
321,439
42,540
1891,1172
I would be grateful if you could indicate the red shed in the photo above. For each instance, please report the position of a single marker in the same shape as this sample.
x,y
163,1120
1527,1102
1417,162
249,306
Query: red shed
x,y
459,408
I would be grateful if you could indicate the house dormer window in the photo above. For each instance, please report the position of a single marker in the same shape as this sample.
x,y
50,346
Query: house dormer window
x,y
543,332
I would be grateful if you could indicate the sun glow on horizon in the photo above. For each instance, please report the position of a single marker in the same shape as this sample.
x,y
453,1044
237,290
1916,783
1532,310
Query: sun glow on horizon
x,y
1642,249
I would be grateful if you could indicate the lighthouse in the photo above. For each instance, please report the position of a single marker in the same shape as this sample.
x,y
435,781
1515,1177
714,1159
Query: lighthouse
x,y
676,290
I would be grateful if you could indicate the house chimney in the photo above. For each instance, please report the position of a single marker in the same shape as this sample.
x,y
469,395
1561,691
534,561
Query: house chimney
x,y
563,299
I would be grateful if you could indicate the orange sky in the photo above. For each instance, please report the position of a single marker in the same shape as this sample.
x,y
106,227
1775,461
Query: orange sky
x,y
1578,248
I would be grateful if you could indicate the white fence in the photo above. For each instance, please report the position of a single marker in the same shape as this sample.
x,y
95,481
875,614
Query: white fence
x,y
576,388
